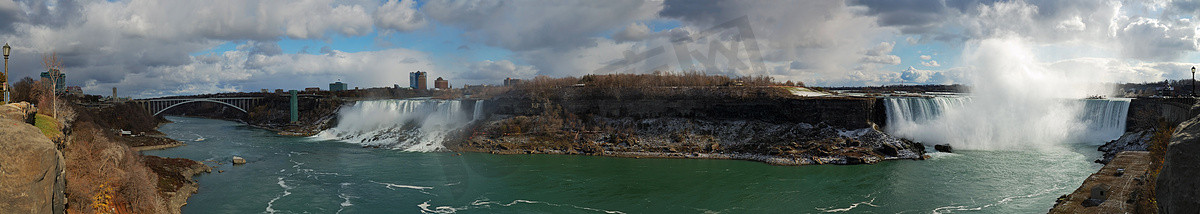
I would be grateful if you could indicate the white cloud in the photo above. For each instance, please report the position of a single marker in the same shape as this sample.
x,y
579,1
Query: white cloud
x,y
633,32
932,63
488,70
399,15
926,57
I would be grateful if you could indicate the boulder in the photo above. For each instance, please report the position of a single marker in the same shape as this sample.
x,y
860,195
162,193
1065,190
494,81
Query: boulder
x,y
31,170
21,111
943,148
1177,183
238,160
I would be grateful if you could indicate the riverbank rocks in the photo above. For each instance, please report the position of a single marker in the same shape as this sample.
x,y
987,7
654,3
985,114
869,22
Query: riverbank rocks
x,y
31,170
943,148
239,160
1178,190
1130,141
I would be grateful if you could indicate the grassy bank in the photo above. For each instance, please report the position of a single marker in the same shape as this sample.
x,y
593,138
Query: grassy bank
x,y
48,126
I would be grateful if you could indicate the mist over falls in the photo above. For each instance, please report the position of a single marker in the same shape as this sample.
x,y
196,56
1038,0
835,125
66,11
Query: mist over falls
x,y
1015,102
420,125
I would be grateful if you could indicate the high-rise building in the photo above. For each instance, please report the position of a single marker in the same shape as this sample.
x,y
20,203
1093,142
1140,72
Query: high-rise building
x,y
75,90
511,81
337,86
416,80
60,80
440,83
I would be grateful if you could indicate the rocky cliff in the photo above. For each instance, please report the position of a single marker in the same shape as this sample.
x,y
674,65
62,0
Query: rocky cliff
x,y
1178,190
713,123
842,112
31,169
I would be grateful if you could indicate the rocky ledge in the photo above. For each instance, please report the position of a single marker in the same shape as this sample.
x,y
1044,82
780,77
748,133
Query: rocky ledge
x,y
175,178
773,143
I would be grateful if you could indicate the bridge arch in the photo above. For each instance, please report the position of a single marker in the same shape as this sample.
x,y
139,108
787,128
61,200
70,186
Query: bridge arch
x,y
200,100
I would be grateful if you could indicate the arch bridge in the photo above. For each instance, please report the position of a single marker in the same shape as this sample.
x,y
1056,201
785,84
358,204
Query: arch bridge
x,y
158,106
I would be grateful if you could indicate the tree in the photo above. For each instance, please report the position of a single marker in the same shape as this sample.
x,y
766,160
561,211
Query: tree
x,y
49,99
25,90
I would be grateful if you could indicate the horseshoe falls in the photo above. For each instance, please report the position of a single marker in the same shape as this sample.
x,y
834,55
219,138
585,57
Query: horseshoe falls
x,y
955,120
419,125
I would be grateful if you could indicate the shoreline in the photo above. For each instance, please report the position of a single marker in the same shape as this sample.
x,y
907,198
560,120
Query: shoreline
x,y
761,158
157,147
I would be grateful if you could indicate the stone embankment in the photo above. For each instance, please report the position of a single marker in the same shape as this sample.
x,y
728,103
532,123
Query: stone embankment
x,y
31,168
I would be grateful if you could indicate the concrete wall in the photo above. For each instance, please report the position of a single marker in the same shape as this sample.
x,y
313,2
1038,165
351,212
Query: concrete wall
x,y
1145,113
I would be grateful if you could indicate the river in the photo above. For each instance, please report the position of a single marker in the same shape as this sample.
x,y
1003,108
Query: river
x,y
303,175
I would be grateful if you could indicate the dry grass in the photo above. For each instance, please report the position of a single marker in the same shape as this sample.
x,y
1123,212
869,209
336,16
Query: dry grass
x,y
99,168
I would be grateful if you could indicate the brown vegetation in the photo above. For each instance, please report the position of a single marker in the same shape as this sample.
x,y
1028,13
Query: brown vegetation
x,y
1146,202
659,85
96,164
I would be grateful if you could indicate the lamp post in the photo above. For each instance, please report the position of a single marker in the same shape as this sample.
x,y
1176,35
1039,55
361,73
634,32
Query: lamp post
x,y
4,84
1193,81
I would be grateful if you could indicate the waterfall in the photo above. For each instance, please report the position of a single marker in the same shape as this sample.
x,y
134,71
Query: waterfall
x,y
478,114
1105,118
924,119
420,125
917,110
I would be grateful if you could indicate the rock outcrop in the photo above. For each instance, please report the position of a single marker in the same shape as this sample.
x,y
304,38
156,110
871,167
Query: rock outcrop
x,y
1131,141
1178,188
31,170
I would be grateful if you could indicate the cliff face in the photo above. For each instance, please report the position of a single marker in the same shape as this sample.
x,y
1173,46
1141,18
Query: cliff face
x,y
1178,188
31,170
715,123
848,113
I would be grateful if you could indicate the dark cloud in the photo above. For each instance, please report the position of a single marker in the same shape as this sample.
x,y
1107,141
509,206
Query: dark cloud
x,y
911,16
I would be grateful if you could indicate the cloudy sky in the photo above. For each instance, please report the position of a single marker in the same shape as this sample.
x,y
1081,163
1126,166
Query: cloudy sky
x,y
168,47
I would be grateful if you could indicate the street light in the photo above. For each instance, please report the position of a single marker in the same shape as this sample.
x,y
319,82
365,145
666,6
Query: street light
x,y
4,86
1193,81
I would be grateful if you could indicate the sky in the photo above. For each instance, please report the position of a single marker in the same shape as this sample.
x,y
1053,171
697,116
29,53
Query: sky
x,y
152,48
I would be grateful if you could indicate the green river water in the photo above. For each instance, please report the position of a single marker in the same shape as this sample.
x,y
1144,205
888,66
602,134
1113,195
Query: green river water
x,y
302,175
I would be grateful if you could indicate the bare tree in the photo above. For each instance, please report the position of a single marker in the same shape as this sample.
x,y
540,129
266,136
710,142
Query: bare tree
x,y
52,64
